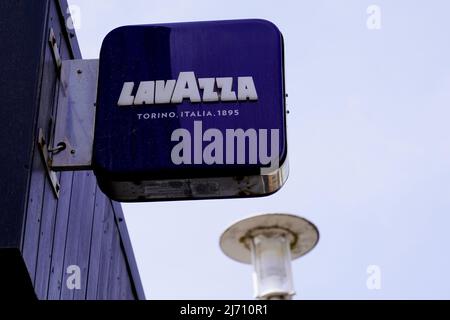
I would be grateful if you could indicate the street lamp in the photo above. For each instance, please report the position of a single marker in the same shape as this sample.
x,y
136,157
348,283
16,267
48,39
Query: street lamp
x,y
270,242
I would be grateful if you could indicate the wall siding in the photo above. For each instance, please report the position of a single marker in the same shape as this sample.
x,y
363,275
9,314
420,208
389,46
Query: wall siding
x,y
39,233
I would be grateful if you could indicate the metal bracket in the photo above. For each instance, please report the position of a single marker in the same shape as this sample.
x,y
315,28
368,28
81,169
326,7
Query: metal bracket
x,y
43,150
75,116
55,50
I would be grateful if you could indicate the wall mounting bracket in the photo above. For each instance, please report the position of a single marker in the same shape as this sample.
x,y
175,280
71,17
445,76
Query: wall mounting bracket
x,y
45,156
75,116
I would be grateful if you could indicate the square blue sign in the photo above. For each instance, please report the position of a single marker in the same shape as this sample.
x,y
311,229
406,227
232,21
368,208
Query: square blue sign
x,y
191,111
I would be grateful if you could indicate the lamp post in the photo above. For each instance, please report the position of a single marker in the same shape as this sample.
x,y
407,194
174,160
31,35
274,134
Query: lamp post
x,y
270,242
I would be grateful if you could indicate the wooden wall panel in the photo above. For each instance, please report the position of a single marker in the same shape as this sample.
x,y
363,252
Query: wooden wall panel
x,y
59,237
82,227
38,177
45,245
101,206
79,230
106,254
22,24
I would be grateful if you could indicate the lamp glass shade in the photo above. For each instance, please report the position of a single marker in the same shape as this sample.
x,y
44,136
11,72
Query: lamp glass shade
x,y
271,258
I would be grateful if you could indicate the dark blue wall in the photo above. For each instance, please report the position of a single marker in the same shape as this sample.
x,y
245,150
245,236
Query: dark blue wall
x,y
41,235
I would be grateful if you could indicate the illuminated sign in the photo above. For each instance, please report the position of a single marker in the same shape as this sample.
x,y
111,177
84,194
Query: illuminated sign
x,y
191,111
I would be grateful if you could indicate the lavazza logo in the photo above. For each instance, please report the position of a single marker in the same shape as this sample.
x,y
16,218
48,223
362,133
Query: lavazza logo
x,y
187,87
219,149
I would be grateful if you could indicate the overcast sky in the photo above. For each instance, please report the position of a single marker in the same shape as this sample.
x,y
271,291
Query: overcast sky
x,y
369,151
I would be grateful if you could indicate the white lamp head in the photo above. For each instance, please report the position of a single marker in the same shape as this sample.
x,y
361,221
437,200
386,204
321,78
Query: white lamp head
x,y
270,242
